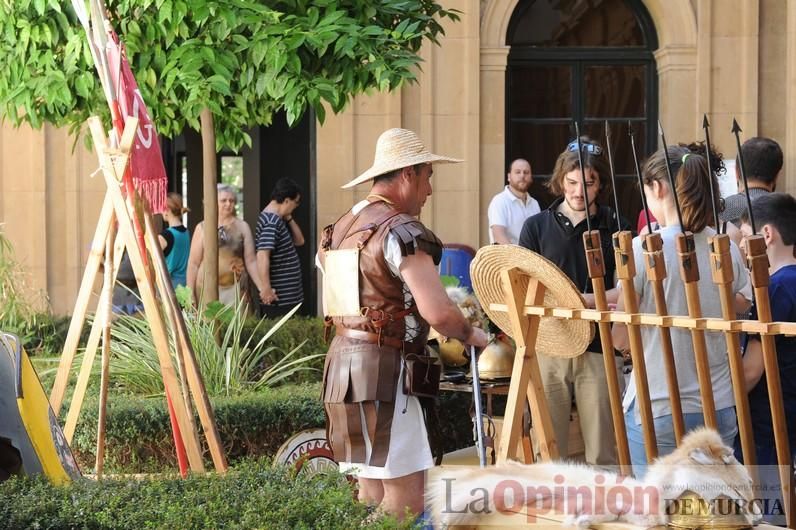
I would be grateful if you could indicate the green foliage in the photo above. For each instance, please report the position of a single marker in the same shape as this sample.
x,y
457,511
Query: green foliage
x,y
138,436
242,59
229,362
252,495
23,311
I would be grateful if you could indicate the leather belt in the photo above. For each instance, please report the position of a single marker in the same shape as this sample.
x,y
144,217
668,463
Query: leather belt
x,y
366,336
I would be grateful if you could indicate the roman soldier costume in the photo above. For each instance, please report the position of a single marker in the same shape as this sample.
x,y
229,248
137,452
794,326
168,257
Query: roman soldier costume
x,y
363,366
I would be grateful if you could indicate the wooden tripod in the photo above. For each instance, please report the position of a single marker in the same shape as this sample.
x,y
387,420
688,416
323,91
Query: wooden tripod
x,y
156,293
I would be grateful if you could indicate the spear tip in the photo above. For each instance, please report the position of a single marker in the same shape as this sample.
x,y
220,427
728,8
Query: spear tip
x,y
660,127
735,127
705,122
577,129
630,128
607,129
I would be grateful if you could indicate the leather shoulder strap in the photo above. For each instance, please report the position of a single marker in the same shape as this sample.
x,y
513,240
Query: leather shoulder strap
x,y
413,235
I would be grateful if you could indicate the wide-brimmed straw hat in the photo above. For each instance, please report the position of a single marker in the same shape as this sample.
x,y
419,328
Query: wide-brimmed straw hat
x,y
397,149
556,337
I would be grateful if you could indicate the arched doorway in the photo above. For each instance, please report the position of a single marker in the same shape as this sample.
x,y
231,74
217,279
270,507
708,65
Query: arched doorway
x,y
587,60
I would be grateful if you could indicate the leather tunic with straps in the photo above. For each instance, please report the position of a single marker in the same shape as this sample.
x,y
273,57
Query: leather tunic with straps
x,y
364,359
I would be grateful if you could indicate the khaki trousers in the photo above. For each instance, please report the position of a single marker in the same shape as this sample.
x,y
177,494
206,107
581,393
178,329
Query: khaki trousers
x,y
581,377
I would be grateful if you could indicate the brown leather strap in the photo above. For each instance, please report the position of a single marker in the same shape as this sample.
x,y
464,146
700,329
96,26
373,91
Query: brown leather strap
x,y
366,336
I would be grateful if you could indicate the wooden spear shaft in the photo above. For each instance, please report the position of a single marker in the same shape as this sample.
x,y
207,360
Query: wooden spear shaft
x,y
596,267
722,273
758,265
656,273
625,271
689,272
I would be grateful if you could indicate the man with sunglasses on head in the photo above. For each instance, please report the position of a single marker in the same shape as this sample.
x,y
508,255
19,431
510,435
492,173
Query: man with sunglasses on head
x,y
557,234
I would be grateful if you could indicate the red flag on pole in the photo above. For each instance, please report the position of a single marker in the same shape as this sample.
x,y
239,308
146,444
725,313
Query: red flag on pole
x,y
146,161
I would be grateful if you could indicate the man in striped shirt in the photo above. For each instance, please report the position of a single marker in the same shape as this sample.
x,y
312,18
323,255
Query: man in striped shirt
x,y
276,238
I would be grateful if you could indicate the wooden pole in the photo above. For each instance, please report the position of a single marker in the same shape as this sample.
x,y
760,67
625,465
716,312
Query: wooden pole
x,y
596,265
107,293
210,192
689,273
625,271
656,273
526,382
650,319
758,265
191,367
113,166
163,285
81,306
79,393
722,273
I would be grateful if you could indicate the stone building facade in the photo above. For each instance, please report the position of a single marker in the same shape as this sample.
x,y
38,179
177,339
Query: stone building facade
x,y
726,58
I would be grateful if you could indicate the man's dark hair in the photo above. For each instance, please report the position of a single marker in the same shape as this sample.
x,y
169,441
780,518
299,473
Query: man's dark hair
x,y
762,159
778,210
285,188
390,175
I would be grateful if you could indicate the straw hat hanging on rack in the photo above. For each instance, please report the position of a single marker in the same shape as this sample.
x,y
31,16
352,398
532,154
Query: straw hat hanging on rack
x,y
397,149
556,337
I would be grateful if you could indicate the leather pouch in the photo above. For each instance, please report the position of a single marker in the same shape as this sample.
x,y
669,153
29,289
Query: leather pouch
x,y
421,375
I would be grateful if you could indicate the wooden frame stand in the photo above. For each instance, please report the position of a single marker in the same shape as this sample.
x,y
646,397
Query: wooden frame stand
x,y
180,383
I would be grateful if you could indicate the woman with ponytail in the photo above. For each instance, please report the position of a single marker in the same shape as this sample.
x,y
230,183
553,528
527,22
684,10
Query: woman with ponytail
x,y
693,187
175,240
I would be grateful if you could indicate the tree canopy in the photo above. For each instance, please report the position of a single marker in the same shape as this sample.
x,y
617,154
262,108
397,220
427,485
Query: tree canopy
x,y
242,59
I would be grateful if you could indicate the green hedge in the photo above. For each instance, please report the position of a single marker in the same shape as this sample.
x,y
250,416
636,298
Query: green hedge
x,y
138,435
252,495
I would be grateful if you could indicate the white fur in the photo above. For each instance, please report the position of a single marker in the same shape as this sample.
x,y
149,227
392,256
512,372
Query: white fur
x,y
702,464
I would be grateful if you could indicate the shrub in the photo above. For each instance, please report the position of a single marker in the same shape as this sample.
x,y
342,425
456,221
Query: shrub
x,y
25,312
230,362
138,435
251,495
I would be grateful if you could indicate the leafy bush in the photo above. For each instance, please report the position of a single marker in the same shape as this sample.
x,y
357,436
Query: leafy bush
x,y
25,312
230,362
251,495
138,436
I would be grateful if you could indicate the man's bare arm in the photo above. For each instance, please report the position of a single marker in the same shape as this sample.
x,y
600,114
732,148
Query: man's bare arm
x,y
500,234
435,307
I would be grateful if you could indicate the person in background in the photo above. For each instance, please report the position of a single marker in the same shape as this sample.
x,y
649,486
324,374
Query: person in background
x,y
557,234
276,237
763,163
693,188
175,240
237,262
509,209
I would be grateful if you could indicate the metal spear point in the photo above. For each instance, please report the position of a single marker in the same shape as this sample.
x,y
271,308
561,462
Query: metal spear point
x,y
638,176
583,177
671,177
736,129
706,126
479,418
613,175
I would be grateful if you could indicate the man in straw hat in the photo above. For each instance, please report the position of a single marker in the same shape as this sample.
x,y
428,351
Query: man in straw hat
x,y
557,234
382,291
